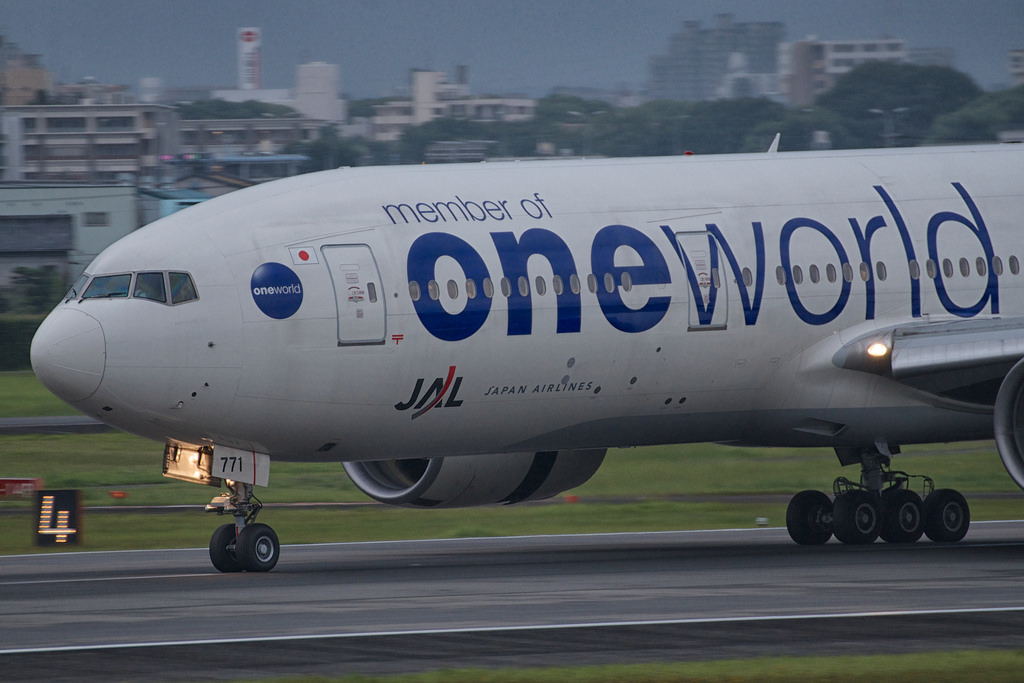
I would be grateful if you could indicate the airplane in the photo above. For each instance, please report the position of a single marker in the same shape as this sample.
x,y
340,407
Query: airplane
x,y
476,334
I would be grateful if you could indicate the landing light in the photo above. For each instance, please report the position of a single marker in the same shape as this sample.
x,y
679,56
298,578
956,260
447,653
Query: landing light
x,y
877,350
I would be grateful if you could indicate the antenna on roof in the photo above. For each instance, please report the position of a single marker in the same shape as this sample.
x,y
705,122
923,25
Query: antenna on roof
x,y
774,147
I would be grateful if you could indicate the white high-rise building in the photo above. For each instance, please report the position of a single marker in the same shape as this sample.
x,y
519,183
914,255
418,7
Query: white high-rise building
x,y
250,70
316,91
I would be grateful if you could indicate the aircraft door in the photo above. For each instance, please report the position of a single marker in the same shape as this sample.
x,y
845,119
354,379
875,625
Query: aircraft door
x,y
708,297
358,292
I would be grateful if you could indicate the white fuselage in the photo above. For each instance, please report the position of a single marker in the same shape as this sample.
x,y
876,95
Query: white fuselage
x,y
713,295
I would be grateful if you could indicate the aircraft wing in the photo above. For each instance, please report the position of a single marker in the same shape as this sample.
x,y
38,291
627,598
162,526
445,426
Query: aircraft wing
x,y
962,360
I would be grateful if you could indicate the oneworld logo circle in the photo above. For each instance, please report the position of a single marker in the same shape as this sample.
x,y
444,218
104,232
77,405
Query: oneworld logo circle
x,y
277,290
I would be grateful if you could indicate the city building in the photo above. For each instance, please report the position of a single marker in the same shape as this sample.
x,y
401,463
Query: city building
x,y
219,155
91,91
62,226
809,67
65,226
208,180
1017,67
315,94
456,151
250,66
35,242
23,79
727,60
144,144
155,203
95,143
433,97
233,171
268,135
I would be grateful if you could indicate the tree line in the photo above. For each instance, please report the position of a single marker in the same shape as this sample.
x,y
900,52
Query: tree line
x,y
877,104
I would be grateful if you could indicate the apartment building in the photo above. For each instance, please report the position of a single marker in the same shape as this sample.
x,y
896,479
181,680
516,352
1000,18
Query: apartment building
x,y
95,143
434,97
809,67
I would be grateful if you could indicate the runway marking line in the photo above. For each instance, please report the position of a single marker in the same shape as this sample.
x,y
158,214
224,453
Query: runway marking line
x,y
609,534
513,629
108,578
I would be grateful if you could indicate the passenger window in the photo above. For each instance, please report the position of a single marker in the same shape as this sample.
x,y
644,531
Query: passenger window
x,y
488,288
830,272
150,286
540,286
965,267
453,289
506,287
748,277
915,270
780,275
524,286
814,274
865,271
371,292
997,265
947,267
592,283
108,287
1014,265
930,268
880,271
433,290
798,275
182,288
556,285
470,289
847,272
980,265
627,282
414,290
574,283
609,283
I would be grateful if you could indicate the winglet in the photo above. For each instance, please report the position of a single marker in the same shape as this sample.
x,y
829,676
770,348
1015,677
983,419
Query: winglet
x,y
775,144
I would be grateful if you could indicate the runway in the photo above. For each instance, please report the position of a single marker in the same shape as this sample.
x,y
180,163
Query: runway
x,y
525,601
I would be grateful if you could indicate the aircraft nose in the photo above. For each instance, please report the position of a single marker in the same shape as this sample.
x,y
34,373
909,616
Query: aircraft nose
x,y
69,354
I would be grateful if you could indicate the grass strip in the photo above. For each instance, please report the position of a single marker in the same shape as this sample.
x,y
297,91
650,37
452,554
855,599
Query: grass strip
x,y
101,463
191,528
21,395
966,666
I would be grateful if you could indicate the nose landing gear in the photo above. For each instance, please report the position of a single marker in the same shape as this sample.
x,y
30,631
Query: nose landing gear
x,y
882,505
243,545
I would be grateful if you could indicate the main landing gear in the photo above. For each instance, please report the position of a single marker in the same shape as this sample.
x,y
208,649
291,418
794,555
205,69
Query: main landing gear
x,y
882,506
243,545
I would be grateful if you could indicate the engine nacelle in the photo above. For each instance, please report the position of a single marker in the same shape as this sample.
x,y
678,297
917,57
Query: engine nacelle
x,y
466,481
1008,422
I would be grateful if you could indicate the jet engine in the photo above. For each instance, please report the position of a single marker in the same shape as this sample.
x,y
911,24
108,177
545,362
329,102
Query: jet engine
x,y
466,481
1008,422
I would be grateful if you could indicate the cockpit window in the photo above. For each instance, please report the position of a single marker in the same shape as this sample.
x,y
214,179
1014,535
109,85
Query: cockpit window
x,y
150,286
77,289
108,287
182,289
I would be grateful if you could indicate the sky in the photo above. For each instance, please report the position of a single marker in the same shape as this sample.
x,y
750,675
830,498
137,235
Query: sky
x,y
510,46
